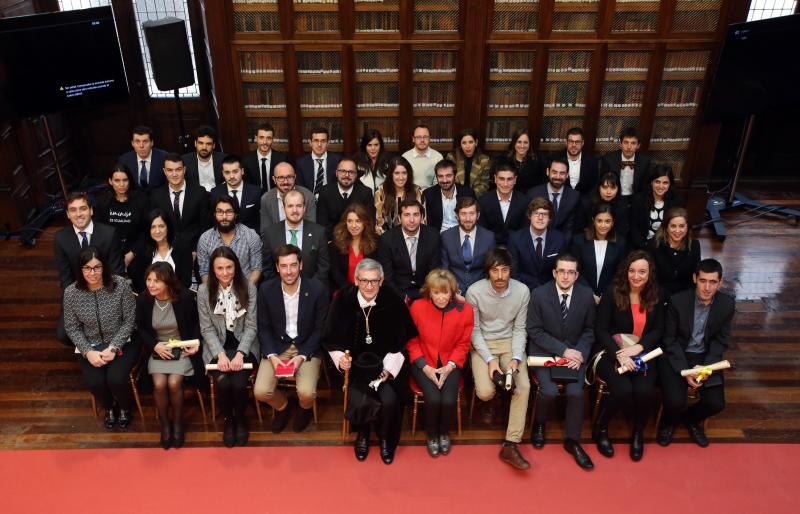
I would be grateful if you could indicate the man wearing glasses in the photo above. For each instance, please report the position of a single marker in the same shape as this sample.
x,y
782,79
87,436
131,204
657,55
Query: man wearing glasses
x,y
243,240
334,198
318,168
285,180
582,167
534,248
423,158
561,323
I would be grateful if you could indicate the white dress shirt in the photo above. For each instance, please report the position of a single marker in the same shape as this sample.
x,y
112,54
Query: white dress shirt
x,y
574,170
89,231
268,157
561,292
205,173
504,205
449,218
291,304
315,159
600,248
626,177
181,198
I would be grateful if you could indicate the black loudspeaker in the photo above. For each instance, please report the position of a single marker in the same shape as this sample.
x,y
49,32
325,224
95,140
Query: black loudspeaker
x,y
169,53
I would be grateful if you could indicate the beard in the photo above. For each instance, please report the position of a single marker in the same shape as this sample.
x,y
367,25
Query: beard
x,y
226,229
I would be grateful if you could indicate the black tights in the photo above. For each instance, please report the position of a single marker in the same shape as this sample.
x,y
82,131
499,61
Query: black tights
x,y
168,389
231,391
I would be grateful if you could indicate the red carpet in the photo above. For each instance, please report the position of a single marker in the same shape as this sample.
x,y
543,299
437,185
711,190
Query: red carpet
x,y
724,478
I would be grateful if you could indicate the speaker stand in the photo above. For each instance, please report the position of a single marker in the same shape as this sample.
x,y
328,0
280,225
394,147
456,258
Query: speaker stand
x,y
183,139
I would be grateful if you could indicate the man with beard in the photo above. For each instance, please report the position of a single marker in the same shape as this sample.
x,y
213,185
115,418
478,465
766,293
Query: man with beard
x,y
440,200
260,163
204,165
336,196
464,247
566,201
582,166
285,179
243,240
245,194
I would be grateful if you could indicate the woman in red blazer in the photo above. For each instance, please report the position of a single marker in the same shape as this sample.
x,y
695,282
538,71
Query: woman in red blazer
x,y
439,352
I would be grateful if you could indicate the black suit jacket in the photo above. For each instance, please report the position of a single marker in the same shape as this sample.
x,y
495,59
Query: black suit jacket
x,y
675,267
155,173
611,162
569,206
393,255
193,176
492,215
312,309
433,203
611,321
583,250
249,204
640,217
67,247
185,309
340,265
528,268
588,177
252,168
316,261
680,323
331,205
195,217
548,334
307,168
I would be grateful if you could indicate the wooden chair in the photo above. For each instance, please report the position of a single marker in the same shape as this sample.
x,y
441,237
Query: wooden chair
x,y
692,395
200,400
345,387
250,385
419,398
132,377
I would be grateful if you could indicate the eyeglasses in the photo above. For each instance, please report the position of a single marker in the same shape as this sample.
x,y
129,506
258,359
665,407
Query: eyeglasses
x,y
568,272
90,269
540,214
226,212
575,142
285,179
371,283
346,172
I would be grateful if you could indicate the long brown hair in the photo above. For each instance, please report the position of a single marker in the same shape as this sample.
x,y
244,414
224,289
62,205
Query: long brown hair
x,y
342,238
622,288
239,282
662,237
164,273
591,231
389,191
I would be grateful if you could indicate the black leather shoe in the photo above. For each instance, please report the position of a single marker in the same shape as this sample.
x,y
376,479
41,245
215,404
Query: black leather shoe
x,y
281,418
574,448
600,438
387,453
637,445
229,433
433,446
444,444
166,436
110,421
697,434
664,436
242,434
362,446
302,419
124,419
178,435
537,435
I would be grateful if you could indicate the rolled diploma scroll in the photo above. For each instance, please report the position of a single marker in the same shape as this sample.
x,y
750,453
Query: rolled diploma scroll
x,y
645,358
215,367
717,366
509,380
181,344
546,361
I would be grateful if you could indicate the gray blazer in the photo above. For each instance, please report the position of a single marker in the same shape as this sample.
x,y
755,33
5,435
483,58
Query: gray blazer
x,y
269,207
547,334
212,326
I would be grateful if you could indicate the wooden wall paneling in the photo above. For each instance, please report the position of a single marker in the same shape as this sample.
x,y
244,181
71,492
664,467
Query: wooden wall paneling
x,y
474,65
236,138
592,113
651,91
545,18
406,19
291,82
346,23
16,192
538,82
406,96
606,18
286,11
665,20
349,134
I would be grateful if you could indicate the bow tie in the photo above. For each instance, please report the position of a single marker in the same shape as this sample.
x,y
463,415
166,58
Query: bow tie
x,y
626,164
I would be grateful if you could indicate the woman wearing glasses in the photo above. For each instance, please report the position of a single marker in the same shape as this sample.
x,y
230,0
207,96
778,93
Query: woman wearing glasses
x,y
99,316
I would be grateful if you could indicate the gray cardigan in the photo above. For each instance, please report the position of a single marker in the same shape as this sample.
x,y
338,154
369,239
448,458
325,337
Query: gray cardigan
x,y
212,326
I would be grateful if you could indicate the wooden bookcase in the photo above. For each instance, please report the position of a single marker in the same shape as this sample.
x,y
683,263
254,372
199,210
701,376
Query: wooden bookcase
x,y
494,65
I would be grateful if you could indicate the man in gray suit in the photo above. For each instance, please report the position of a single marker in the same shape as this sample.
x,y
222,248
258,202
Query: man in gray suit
x,y
561,323
285,179
304,234
464,247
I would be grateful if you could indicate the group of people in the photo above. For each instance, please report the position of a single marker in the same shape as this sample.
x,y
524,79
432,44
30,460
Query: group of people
x,y
407,271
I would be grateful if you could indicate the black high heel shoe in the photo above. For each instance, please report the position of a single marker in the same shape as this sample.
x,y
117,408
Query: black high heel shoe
x,y
166,436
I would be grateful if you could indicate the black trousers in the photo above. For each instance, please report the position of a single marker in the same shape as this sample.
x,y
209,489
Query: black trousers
x,y
548,390
111,383
440,404
391,394
231,387
634,393
674,389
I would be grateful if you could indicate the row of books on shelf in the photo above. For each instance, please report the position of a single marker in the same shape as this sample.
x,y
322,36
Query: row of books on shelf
x,y
509,96
574,22
511,62
686,61
378,94
377,21
554,128
680,95
264,98
628,61
316,22
436,21
256,22
328,2
565,94
319,62
377,62
435,61
672,129
622,94
271,2
261,62
434,94
609,128
635,21
506,21
321,97
500,130
569,62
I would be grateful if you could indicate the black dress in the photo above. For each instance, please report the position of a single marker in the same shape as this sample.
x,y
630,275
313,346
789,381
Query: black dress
x,y
674,267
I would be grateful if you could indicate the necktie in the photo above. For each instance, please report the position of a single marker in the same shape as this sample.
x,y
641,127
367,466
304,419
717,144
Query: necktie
x,y
235,193
84,240
293,238
176,205
625,164
264,174
539,248
143,175
412,253
555,202
466,250
344,195
320,179
564,308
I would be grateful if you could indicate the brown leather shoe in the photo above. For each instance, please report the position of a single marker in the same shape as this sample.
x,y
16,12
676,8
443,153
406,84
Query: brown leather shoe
x,y
510,455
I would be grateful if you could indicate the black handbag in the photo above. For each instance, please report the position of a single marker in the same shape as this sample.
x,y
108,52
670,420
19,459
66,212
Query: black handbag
x,y
563,374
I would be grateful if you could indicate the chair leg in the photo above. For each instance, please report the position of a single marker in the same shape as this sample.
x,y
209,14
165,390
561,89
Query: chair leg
x,y
94,405
472,405
414,416
136,397
258,409
314,407
202,405
213,397
458,411
597,401
327,376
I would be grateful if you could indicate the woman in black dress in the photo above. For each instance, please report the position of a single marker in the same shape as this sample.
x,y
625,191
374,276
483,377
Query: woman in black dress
x,y
675,251
520,155
599,250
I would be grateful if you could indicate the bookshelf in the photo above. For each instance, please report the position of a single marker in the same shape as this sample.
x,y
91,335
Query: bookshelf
x,y
498,66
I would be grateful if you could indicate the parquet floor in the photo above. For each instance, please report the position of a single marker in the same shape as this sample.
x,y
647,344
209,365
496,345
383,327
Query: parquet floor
x,y
44,403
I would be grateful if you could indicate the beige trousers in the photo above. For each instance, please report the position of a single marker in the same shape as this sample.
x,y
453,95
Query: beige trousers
x,y
306,377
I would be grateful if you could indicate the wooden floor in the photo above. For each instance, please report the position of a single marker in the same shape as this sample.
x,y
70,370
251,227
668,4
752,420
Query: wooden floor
x,y
44,403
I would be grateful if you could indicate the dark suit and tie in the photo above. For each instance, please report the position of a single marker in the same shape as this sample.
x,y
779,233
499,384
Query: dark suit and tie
x,y
566,203
259,170
192,172
534,260
612,161
400,273
464,260
492,215
67,245
588,174
557,322
331,203
433,203
248,198
584,250
308,170
192,217
147,178
313,245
